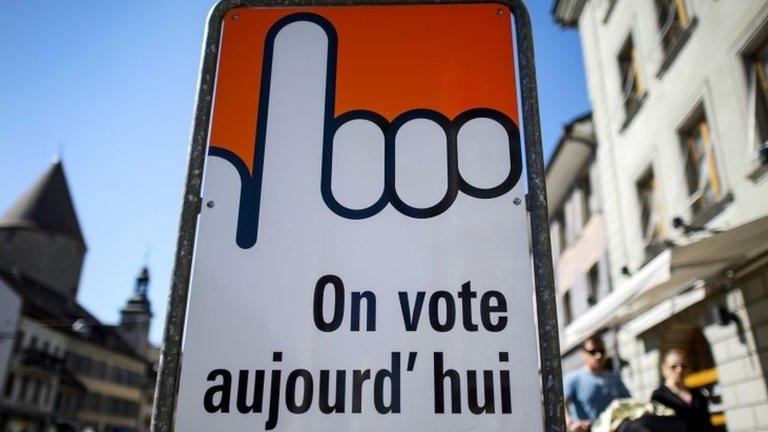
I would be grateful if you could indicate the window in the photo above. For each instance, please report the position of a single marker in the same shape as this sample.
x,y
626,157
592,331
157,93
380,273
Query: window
x,y
586,195
99,370
8,391
673,20
559,221
134,379
757,67
632,86
650,208
593,284
23,388
72,361
651,215
19,341
120,407
701,174
43,398
85,365
567,308
93,402
118,375
608,10
75,403
34,393
111,405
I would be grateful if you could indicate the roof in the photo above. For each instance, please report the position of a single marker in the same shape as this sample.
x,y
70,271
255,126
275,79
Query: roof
x,y
65,315
568,133
574,150
47,206
567,12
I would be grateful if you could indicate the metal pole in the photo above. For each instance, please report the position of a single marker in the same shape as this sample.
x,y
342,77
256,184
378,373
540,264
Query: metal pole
x,y
170,354
546,309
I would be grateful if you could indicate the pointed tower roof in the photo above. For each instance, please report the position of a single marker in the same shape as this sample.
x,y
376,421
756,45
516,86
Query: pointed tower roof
x,y
46,205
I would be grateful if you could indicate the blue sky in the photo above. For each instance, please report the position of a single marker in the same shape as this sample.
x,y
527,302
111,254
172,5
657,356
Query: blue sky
x,y
111,85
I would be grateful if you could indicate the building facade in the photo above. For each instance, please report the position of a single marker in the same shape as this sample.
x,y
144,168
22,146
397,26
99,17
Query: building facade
x,y
577,229
66,370
10,309
679,92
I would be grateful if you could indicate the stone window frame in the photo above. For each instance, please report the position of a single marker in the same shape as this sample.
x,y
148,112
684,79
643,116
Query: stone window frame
x,y
567,307
633,89
698,124
652,217
755,62
675,29
610,7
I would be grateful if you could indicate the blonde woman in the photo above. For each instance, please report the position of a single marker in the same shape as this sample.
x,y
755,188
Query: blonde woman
x,y
689,404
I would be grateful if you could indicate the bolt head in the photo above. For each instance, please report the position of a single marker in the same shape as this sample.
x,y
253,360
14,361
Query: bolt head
x,y
210,204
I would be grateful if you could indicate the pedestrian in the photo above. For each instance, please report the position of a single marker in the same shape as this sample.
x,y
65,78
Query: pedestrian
x,y
690,405
589,391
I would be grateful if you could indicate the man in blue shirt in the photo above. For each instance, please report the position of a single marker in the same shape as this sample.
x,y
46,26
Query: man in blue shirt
x,y
590,390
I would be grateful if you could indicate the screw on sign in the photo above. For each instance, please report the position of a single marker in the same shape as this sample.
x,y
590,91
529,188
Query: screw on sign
x,y
366,265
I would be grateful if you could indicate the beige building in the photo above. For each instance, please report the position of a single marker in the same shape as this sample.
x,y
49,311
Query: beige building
x,y
113,378
577,231
680,111
67,370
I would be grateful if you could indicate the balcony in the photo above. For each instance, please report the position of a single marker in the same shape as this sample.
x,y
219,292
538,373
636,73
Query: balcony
x,y
40,360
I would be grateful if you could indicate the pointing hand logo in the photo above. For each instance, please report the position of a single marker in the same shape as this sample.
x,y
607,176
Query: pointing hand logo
x,y
300,62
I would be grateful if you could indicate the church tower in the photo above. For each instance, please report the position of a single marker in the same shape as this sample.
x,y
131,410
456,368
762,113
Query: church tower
x,y
40,236
136,315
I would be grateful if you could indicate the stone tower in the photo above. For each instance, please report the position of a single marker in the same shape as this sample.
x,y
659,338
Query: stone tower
x,y
136,315
40,236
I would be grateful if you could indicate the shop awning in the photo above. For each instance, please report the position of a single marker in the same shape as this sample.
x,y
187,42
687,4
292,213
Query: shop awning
x,y
670,273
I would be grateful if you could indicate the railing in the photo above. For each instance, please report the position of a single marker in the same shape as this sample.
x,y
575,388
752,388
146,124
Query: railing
x,y
39,359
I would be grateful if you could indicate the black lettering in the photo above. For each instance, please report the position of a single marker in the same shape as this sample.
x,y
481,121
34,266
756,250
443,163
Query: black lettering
x,y
338,304
224,389
274,394
466,295
378,387
370,313
242,392
338,406
488,406
358,378
411,320
290,391
486,309
506,399
506,383
450,311
454,380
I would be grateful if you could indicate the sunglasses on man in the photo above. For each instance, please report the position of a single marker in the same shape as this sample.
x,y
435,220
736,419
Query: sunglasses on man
x,y
594,352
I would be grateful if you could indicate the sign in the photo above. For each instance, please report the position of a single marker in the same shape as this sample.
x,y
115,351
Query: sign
x,y
363,259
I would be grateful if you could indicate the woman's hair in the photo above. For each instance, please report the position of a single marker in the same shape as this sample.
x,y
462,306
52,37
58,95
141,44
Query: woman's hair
x,y
674,351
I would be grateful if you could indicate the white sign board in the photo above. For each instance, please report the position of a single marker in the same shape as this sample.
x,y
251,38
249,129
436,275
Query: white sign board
x,y
363,258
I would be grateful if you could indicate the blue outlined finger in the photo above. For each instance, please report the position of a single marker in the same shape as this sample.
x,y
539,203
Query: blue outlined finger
x,y
296,101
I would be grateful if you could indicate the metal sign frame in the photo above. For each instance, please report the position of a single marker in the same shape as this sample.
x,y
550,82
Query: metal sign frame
x,y
549,347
